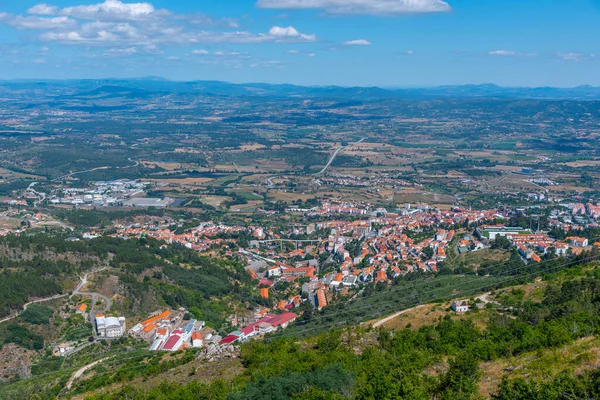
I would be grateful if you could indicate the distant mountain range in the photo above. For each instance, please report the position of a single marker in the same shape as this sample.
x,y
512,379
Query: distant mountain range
x,y
150,86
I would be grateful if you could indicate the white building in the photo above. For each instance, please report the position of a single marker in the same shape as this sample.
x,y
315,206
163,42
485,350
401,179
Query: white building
x,y
110,327
460,306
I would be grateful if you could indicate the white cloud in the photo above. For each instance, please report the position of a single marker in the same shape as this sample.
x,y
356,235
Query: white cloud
x,y
409,52
293,51
34,22
289,32
121,52
575,57
357,42
113,10
503,53
226,53
311,55
372,7
199,52
118,24
42,9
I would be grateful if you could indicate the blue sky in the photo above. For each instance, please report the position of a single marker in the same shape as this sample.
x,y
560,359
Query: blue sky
x,y
309,42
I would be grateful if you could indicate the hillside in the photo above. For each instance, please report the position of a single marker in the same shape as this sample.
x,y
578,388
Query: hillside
x,y
536,338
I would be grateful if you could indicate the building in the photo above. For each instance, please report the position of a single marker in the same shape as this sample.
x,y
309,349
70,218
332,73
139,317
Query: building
x,y
321,299
460,306
110,327
81,309
197,339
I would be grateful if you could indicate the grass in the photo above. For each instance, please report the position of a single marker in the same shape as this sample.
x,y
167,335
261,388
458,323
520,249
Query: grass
x,y
576,358
476,258
431,314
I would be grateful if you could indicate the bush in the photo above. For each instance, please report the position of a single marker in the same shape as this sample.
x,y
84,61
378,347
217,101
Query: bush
x,y
37,314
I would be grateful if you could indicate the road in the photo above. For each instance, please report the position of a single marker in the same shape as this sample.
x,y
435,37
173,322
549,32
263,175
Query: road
x,y
94,295
81,371
58,296
391,317
483,298
41,196
130,159
321,172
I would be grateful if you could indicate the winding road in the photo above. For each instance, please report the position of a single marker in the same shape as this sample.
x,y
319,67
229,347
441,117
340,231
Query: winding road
x,y
321,172
130,159
81,371
58,296
94,295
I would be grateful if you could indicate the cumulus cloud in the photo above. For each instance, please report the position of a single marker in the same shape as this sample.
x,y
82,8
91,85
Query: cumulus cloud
x,y
289,32
200,52
138,24
372,7
43,9
357,42
113,10
34,22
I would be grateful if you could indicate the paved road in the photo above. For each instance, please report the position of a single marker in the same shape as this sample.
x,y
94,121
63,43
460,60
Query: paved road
x,y
94,295
130,159
58,296
335,155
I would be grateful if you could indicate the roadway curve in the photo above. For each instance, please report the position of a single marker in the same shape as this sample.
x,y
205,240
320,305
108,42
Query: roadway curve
x,y
130,159
335,155
81,371
58,296
94,295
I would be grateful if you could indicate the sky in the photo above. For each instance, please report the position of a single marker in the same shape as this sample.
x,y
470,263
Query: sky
x,y
388,43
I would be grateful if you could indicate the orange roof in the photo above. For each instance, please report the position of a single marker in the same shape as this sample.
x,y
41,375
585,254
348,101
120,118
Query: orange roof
x,y
264,293
82,307
321,299
163,315
161,331
196,336
150,327
597,244
253,275
100,316
536,258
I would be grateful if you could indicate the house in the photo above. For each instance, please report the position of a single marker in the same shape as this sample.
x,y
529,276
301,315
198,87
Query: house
x,y
460,306
197,339
110,327
321,299
81,309
577,241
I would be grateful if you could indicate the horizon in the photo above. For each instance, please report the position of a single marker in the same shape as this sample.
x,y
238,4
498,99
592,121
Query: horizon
x,y
394,87
375,43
